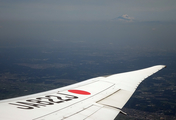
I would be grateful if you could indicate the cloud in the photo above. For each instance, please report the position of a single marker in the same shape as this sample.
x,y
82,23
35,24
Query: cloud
x,y
124,18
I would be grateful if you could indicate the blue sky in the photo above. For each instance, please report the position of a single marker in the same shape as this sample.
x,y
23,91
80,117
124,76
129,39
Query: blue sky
x,y
148,10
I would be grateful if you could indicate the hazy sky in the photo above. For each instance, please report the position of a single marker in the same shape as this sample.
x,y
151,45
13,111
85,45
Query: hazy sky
x,y
104,22
147,10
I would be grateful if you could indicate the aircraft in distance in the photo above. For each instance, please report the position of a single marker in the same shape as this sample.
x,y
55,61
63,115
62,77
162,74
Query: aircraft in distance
x,y
100,98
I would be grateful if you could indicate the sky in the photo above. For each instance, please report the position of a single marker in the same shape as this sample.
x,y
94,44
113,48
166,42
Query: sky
x,y
104,22
145,10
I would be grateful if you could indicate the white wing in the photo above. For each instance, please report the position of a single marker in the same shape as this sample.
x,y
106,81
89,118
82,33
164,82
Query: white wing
x,y
99,98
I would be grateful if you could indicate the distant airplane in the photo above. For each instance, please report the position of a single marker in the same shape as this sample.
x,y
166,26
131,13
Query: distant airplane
x,y
100,98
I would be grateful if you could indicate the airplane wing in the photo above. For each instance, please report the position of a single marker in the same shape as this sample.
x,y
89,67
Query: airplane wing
x,y
99,98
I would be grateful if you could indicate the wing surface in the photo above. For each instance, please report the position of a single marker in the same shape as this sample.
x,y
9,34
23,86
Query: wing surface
x,y
98,98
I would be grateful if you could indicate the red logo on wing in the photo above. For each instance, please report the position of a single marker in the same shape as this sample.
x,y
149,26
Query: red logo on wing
x,y
81,92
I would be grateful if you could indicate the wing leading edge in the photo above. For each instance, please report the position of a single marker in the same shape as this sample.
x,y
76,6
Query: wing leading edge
x,y
94,99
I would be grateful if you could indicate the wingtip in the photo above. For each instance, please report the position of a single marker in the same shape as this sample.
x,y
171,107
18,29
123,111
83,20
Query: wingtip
x,y
162,66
